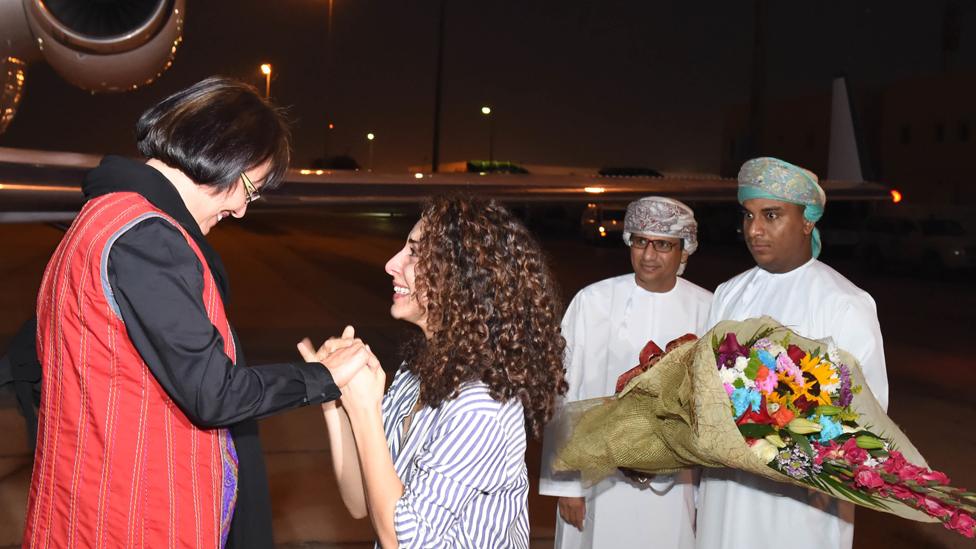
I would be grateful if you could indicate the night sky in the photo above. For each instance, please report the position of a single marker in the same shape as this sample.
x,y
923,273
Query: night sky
x,y
571,82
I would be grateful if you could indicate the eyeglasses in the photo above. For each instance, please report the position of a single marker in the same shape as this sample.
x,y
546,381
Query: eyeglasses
x,y
252,192
660,246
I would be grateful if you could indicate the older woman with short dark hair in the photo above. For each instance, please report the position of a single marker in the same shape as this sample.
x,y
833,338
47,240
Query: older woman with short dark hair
x,y
147,435
214,131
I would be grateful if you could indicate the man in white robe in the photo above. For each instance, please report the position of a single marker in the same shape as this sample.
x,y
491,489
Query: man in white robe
x,y
606,326
781,203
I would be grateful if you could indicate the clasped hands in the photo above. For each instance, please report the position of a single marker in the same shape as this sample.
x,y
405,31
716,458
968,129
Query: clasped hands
x,y
354,367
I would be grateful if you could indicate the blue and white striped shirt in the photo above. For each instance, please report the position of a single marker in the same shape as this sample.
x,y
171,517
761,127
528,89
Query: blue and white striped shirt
x,y
462,466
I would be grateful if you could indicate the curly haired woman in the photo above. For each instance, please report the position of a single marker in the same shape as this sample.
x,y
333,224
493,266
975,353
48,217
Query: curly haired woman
x,y
440,460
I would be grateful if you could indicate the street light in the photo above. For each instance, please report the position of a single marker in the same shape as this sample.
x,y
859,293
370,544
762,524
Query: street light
x,y
328,134
266,71
370,137
486,110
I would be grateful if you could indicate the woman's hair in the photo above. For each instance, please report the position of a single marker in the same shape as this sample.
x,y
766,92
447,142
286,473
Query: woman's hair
x,y
493,309
215,130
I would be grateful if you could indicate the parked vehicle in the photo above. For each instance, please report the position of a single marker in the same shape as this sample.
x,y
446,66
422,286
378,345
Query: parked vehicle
x,y
602,222
924,239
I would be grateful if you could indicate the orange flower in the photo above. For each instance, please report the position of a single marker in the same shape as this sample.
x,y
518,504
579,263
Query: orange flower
x,y
782,416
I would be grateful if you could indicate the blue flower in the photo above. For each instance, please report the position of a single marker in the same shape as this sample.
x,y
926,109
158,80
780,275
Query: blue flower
x,y
745,398
830,429
767,359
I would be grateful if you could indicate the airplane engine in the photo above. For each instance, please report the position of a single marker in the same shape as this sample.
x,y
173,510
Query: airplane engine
x,y
97,45
12,80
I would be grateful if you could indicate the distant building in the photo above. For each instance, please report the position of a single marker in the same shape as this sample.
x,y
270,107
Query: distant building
x,y
796,130
917,135
928,137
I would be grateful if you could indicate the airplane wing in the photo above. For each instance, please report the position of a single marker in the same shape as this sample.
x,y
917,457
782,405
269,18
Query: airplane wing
x,y
43,186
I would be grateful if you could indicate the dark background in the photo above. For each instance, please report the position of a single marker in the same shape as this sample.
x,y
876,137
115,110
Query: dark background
x,y
571,82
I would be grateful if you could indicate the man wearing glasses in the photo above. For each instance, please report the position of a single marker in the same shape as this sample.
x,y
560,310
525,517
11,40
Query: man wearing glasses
x,y
606,326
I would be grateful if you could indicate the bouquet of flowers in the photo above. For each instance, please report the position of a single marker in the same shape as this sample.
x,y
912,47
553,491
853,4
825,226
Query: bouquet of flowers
x,y
777,405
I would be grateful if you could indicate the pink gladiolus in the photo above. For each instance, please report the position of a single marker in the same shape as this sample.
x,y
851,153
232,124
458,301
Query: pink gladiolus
x,y
900,491
852,453
934,507
831,450
867,477
963,523
910,472
894,463
933,476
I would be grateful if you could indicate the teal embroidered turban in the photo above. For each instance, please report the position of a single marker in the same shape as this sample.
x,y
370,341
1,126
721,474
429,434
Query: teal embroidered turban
x,y
774,179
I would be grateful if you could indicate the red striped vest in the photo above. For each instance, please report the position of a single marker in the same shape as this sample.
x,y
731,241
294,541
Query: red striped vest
x,y
118,464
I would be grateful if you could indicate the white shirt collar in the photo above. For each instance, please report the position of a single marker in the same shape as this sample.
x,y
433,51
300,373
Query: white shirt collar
x,y
797,270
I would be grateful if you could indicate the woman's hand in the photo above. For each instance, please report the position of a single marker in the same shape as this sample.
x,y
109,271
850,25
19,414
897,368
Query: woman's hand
x,y
343,357
328,347
365,390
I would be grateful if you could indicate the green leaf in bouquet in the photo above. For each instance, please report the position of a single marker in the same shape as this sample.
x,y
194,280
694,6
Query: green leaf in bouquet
x,y
916,487
753,368
832,469
715,343
849,417
756,430
803,443
856,495
945,494
833,481
738,384
817,482
968,508
760,333
816,352
889,478
803,426
828,410
869,442
842,438
776,440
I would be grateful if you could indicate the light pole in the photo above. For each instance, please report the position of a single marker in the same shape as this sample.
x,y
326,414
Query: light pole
x,y
486,110
329,126
435,156
330,20
370,137
266,71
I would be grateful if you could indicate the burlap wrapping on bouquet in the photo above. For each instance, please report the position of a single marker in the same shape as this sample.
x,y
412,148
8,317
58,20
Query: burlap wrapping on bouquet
x,y
678,415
